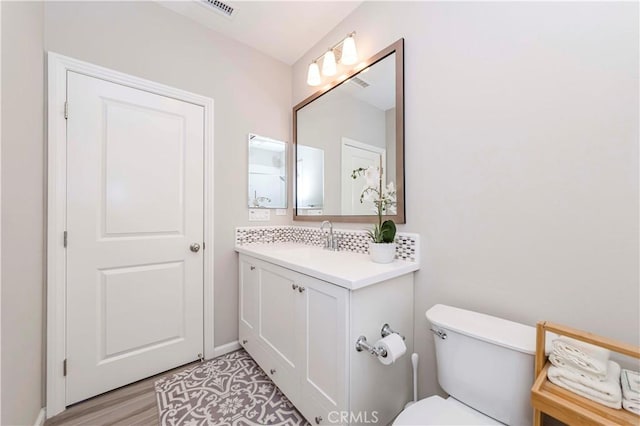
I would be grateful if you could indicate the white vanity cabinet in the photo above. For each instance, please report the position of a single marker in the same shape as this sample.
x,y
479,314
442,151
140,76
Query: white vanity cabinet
x,y
294,326
302,331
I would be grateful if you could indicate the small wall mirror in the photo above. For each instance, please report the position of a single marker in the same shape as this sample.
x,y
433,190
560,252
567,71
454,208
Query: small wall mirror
x,y
267,173
357,122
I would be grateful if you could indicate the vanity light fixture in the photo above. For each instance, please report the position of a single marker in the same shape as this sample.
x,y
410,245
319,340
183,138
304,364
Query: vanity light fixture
x,y
313,75
349,51
348,56
329,63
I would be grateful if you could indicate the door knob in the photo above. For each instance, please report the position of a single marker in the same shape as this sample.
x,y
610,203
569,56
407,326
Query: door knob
x,y
301,289
195,247
294,286
318,420
272,371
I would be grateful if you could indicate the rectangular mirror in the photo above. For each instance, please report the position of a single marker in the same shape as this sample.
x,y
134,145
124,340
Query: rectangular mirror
x,y
356,122
267,173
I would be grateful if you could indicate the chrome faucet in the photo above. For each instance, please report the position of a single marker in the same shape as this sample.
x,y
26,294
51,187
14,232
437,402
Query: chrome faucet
x,y
330,241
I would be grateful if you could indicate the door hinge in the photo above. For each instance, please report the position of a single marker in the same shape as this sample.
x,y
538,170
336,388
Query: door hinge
x,y
64,367
65,238
66,110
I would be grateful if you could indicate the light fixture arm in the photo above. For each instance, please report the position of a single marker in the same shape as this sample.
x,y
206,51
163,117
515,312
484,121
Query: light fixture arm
x,y
351,34
348,57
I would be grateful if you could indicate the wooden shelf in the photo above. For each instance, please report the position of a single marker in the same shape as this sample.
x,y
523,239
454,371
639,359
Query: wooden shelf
x,y
565,405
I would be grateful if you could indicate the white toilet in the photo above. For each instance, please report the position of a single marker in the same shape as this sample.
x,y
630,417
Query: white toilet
x,y
485,364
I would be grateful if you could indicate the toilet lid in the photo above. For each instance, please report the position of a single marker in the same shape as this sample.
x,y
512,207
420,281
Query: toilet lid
x,y
438,411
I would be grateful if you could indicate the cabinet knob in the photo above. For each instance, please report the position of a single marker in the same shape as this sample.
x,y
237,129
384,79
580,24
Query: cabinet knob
x,y
244,341
252,268
318,419
294,286
301,289
272,371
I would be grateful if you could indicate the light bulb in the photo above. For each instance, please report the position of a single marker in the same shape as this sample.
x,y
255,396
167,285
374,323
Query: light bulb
x,y
349,52
329,63
313,75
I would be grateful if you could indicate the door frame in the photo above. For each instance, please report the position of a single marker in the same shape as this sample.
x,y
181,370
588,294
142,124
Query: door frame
x,y
58,66
347,142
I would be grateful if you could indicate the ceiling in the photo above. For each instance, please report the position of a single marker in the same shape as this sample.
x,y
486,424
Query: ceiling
x,y
284,30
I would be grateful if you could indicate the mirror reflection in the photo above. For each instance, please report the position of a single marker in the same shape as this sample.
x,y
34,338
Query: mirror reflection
x,y
267,173
310,179
349,127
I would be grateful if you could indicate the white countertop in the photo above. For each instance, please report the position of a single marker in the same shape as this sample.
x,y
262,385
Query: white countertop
x,y
346,269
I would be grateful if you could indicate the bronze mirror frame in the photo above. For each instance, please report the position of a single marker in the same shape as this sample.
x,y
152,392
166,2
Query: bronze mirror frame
x,y
399,217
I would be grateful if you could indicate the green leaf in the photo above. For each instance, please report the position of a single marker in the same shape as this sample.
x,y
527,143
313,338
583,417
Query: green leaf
x,y
388,231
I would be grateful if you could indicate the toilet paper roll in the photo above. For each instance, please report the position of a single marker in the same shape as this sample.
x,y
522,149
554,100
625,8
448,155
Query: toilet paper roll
x,y
395,347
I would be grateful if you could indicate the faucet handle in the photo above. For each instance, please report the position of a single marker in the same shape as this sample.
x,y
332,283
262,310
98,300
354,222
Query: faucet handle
x,y
335,243
328,242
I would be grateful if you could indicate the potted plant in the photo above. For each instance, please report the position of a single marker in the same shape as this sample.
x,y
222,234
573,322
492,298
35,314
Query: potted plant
x,y
382,247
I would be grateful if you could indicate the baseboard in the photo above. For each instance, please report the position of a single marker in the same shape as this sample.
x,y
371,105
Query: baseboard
x,y
41,417
226,348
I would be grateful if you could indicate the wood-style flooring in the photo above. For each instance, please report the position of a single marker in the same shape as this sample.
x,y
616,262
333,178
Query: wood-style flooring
x,y
134,404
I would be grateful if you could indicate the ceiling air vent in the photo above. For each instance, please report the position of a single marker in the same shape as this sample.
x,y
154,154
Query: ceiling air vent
x,y
221,7
360,82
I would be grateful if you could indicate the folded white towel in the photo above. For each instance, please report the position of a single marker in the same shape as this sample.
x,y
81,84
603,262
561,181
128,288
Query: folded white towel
x,y
607,392
634,407
580,357
630,381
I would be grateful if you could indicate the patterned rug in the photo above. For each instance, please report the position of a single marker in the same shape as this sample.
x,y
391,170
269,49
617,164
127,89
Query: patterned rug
x,y
229,390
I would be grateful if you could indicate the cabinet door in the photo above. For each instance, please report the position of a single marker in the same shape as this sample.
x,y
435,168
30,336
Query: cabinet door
x,y
249,285
279,306
324,334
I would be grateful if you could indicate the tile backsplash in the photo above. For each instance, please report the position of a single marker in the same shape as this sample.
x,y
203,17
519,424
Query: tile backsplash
x,y
407,244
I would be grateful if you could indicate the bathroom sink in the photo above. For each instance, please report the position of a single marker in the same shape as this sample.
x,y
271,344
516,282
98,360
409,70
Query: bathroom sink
x,y
346,269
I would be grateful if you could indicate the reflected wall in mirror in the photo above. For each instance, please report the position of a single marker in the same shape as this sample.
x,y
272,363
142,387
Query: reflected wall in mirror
x,y
358,122
267,173
310,179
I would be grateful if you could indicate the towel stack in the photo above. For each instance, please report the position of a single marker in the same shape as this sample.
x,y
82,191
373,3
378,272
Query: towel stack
x,y
585,369
630,381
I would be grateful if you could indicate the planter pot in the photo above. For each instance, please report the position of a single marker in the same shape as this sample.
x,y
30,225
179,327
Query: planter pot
x,y
382,252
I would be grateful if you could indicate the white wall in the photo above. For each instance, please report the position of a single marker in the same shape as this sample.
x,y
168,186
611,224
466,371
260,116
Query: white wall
x,y
22,212
521,157
0,214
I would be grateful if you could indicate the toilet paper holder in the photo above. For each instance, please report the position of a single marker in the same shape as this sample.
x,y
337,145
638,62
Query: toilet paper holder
x,y
363,345
387,330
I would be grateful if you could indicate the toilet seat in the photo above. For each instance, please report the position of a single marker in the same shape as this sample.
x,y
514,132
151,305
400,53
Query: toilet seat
x,y
439,411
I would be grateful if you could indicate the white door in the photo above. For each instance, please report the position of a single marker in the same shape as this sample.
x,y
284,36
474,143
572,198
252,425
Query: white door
x,y
135,206
355,155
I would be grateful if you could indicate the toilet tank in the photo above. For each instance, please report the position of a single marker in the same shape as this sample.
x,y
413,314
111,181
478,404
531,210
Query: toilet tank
x,y
485,362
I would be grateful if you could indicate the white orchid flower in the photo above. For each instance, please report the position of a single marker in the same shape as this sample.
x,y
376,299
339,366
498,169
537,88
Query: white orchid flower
x,y
382,197
372,176
391,189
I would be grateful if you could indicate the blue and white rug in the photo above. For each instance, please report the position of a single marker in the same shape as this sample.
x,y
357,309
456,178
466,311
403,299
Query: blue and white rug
x,y
230,390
